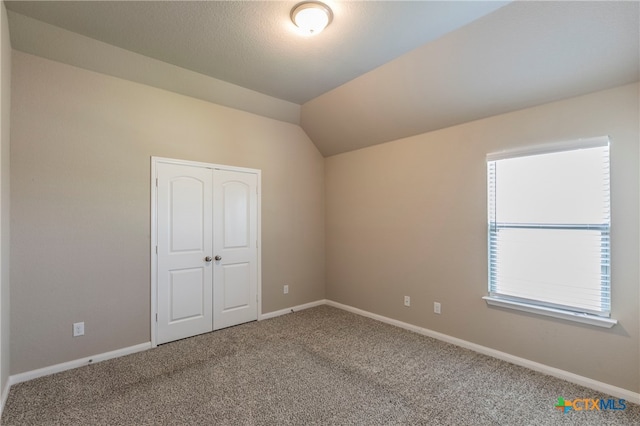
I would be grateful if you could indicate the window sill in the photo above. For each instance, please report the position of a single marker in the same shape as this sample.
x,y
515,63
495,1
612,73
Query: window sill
x,y
551,312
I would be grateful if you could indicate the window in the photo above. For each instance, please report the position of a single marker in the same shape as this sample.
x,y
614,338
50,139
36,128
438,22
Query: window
x,y
549,221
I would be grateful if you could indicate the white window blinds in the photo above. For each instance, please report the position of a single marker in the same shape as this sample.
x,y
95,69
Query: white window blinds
x,y
549,225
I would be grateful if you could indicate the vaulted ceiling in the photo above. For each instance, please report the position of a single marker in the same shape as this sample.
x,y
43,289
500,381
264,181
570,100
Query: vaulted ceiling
x,y
381,71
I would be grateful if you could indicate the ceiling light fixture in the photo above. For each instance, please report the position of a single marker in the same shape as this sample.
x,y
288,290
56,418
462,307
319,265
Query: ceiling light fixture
x,y
311,16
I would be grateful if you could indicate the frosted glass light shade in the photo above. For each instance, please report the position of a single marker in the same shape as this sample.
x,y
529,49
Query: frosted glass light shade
x,y
311,17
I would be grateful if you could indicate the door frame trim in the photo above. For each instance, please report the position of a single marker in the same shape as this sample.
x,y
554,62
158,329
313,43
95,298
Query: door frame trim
x,y
154,230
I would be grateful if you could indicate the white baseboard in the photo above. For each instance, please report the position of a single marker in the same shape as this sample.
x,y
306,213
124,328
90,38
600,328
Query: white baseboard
x,y
52,369
293,309
4,396
34,374
618,392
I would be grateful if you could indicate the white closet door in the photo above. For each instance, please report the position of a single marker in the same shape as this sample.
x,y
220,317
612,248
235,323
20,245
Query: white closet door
x,y
185,247
235,237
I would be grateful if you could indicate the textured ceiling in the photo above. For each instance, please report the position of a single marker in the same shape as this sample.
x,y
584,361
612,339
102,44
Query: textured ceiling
x,y
381,71
254,44
525,54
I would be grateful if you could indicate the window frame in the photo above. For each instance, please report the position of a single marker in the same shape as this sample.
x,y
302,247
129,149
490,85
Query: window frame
x,y
601,319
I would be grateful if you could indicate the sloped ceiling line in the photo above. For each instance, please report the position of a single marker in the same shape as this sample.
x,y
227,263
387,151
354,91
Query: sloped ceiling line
x,y
381,71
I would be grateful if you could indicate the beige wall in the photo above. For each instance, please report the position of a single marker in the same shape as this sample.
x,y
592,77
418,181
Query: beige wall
x,y
27,35
5,108
403,218
409,218
80,169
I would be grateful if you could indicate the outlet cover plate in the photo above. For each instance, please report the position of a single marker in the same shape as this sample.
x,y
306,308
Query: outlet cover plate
x,y
78,329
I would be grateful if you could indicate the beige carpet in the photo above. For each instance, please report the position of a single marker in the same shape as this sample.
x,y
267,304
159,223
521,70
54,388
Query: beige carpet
x,y
322,366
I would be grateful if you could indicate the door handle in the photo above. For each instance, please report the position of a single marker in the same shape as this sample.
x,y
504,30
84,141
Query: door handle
x,y
208,259
218,258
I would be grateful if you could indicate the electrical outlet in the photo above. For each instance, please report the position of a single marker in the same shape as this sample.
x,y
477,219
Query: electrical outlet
x,y
286,289
436,307
78,329
407,301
